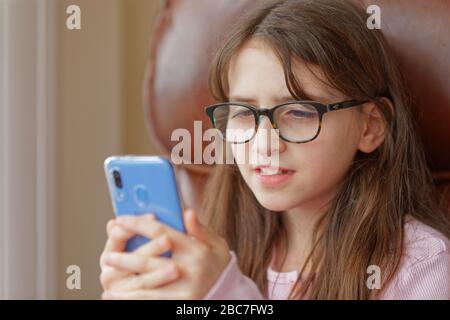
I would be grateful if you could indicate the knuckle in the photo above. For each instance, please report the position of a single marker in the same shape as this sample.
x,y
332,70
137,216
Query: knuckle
x,y
115,233
148,217
158,230
102,260
164,241
173,266
161,244
135,221
109,226
105,279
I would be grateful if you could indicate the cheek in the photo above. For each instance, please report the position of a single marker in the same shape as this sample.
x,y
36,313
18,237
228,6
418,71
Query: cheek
x,y
323,167
327,159
241,156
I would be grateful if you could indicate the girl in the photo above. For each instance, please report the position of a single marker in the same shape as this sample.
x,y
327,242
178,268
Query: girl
x,y
352,199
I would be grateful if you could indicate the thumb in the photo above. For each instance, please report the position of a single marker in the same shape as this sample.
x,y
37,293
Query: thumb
x,y
193,227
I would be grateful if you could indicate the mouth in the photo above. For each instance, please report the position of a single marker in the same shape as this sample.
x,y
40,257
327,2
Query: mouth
x,y
273,176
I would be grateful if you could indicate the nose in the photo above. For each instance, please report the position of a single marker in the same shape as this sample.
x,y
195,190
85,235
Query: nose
x,y
266,142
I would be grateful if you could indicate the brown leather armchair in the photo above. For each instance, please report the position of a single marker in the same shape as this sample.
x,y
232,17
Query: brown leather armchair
x,y
186,33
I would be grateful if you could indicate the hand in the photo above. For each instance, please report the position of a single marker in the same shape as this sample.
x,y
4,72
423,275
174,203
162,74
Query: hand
x,y
198,259
113,278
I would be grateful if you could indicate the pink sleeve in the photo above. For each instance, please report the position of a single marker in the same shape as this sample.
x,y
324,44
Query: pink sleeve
x,y
427,279
233,285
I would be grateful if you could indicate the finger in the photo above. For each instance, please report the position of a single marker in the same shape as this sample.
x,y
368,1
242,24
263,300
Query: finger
x,y
149,227
159,277
155,247
109,275
197,230
130,295
109,226
139,295
149,280
134,263
193,227
118,239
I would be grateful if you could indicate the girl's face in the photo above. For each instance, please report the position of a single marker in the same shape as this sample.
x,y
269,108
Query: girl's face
x,y
316,167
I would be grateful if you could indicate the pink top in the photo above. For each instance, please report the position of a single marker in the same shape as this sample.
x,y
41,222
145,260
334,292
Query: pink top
x,y
424,272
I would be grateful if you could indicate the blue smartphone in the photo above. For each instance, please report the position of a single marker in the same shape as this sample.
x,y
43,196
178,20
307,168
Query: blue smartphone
x,y
144,184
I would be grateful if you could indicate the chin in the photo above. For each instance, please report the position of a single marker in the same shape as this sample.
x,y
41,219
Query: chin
x,y
273,202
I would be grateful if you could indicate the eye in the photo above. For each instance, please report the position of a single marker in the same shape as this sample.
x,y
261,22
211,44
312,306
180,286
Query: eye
x,y
300,114
243,113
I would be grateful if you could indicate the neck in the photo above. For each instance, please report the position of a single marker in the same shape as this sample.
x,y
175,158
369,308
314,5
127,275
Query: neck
x,y
298,241
299,227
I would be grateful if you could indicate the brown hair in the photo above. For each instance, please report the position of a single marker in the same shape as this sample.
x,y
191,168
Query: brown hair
x,y
364,224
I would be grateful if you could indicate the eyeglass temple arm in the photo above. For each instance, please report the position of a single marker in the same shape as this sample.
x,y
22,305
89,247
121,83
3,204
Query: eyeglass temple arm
x,y
345,104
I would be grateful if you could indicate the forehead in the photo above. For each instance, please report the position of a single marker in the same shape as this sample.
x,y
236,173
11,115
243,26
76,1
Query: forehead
x,y
256,72
255,68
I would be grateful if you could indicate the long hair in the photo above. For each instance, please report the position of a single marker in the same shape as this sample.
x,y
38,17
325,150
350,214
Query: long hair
x,y
365,223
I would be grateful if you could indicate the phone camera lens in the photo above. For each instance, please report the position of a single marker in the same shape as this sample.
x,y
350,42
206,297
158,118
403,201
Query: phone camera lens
x,y
117,179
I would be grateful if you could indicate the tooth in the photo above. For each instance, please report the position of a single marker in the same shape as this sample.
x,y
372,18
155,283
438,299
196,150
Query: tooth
x,y
269,171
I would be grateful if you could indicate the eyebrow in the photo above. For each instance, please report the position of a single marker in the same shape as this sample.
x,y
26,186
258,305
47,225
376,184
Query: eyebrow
x,y
240,98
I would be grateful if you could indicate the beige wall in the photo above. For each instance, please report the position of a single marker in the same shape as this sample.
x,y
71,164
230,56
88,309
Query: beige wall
x,y
99,113
138,21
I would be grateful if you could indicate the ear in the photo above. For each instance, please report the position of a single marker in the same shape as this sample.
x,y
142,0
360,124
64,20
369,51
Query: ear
x,y
374,126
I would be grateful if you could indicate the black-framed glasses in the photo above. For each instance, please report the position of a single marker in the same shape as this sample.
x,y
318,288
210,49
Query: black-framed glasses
x,y
296,121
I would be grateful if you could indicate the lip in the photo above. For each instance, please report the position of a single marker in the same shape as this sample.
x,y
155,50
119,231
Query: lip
x,y
276,180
